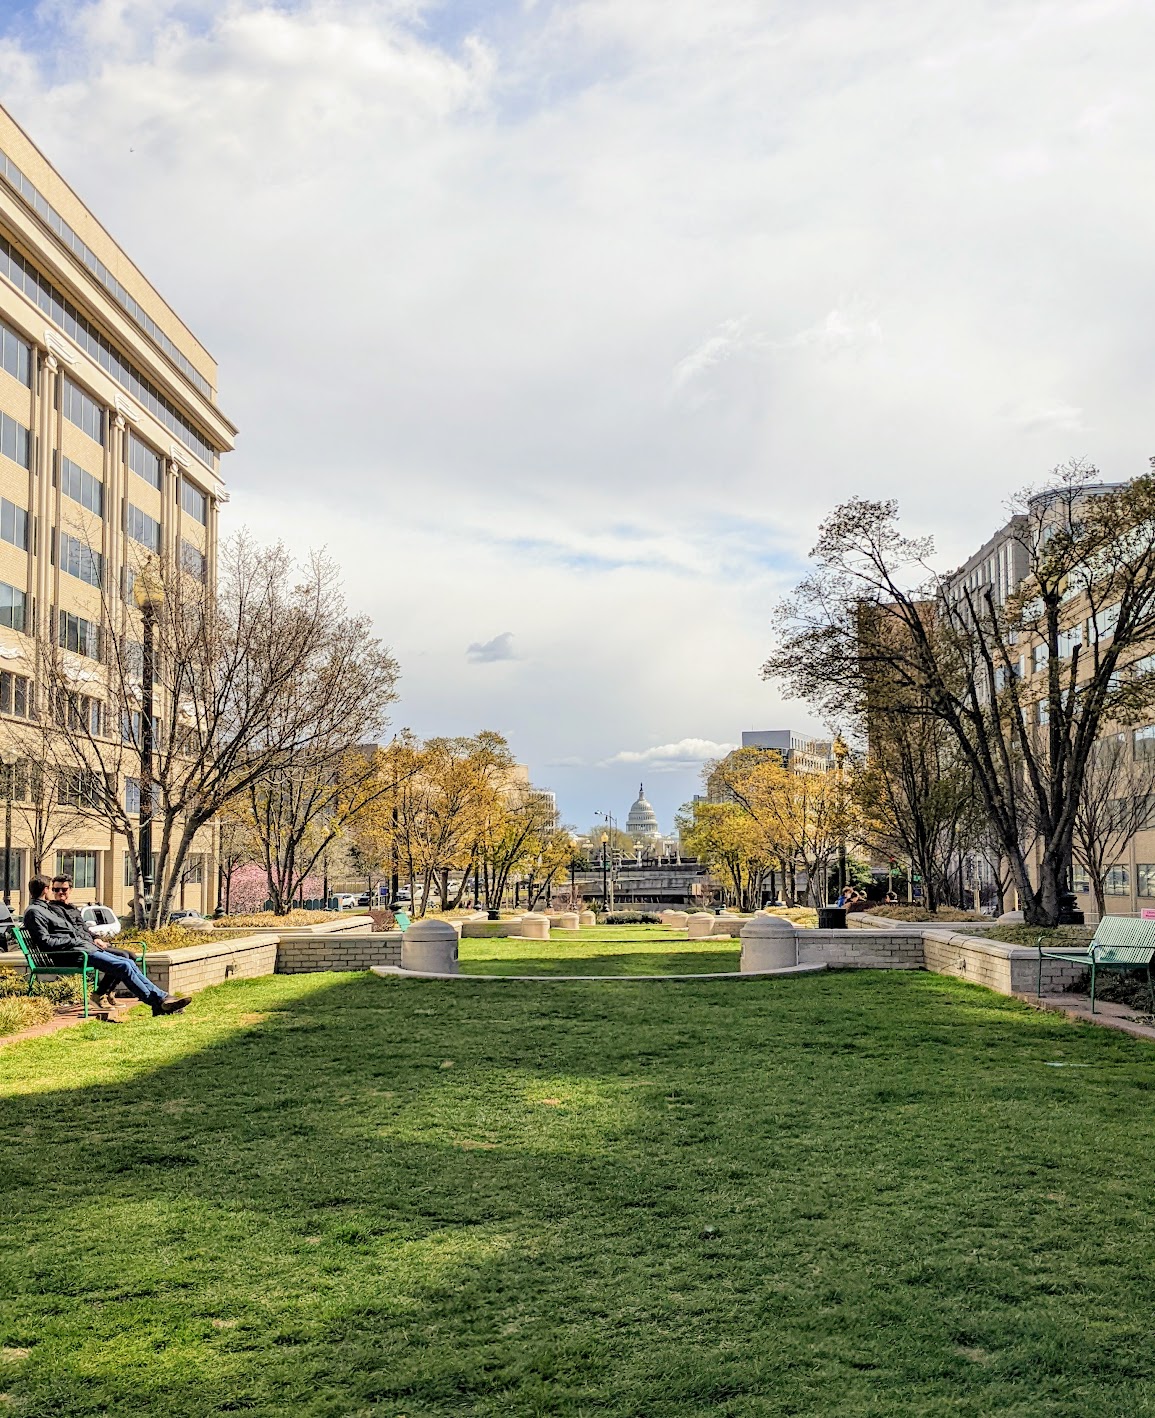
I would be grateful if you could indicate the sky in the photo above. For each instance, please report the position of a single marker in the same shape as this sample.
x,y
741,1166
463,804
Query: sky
x,y
562,325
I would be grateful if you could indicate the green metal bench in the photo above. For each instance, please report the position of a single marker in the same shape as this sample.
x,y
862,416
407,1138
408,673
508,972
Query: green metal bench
x,y
1119,944
39,962
402,919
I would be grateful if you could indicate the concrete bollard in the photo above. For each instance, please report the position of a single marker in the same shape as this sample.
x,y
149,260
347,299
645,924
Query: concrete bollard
x,y
534,926
700,925
674,920
587,918
430,945
768,943
1010,918
566,921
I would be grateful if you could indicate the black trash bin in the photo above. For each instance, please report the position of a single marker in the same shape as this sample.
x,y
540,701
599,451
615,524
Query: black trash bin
x,y
832,918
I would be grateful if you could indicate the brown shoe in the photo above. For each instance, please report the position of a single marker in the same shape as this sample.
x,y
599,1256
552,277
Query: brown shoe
x,y
173,1005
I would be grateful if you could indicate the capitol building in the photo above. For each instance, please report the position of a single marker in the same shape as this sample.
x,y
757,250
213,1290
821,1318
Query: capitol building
x,y
643,827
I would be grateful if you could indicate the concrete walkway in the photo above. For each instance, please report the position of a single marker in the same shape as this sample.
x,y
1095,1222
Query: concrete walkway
x,y
63,1019
1111,1016
394,972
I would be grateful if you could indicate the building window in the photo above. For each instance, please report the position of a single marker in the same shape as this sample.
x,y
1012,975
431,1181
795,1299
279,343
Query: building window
x,y
1145,871
78,712
130,875
130,727
15,440
13,606
132,797
80,560
87,257
144,462
82,410
15,355
1080,880
194,871
1145,742
80,485
142,528
193,560
1039,657
13,524
15,695
194,502
78,787
14,268
1117,881
80,866
80,635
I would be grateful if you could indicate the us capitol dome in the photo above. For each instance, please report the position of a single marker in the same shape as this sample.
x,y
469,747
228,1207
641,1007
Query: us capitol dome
x,y
642,823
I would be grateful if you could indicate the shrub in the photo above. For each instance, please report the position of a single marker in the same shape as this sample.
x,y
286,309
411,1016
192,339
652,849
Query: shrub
x,y
631,918
21,1012
902,912
65,991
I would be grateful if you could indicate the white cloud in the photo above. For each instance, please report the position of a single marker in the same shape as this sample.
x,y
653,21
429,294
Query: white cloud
x,y
668,755
578,317
499,648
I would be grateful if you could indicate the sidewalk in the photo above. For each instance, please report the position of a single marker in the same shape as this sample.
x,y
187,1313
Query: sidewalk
x,y
1111,1016
64,1019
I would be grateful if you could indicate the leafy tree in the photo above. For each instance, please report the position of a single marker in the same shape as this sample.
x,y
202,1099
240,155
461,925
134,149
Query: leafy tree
x,y
1023,682
1117,800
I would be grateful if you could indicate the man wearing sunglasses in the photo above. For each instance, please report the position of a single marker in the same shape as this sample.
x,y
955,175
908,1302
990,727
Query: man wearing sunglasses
x,y
59,898
55,933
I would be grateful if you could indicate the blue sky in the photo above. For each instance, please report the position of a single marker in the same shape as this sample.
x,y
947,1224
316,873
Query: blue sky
x,y
563,325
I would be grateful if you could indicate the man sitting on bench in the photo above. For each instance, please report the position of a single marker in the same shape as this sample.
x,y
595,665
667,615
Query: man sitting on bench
x,y
61,939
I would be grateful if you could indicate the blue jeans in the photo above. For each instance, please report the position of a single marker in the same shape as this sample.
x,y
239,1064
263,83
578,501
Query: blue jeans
x,y
123,970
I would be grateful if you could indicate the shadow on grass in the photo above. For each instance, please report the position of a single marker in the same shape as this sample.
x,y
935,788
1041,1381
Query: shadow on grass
x,y
851,1194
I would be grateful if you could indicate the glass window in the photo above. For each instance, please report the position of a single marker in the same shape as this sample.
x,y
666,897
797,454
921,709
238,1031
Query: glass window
x,y
13,524
82,410
80,560
1039,657
15,695
1145,742
1080,880
14,440
129,875
15,355
193,560
194,502
80,635
80,485
80,866
13,606
1117,881
144,462
15,269
1145,872
142,528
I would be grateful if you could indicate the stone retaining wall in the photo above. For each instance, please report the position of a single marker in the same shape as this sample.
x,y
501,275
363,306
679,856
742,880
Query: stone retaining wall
x,y
302,954
195,967
848,950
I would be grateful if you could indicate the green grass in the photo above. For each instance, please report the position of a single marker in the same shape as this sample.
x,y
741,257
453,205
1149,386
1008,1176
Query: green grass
x,y
601,950
855,1194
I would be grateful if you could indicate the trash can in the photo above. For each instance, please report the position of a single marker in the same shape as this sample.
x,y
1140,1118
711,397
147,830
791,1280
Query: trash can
x,y
832,918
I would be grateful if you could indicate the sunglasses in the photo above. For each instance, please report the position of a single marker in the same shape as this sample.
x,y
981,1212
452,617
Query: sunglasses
x,y
60,891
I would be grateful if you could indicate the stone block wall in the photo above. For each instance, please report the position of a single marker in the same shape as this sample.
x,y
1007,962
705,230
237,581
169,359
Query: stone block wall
x,y
302,954
195,967
851,950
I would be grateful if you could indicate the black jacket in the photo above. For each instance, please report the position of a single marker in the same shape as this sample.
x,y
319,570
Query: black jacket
x,y
53,933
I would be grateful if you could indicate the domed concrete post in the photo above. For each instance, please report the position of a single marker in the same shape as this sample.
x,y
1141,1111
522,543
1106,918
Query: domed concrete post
x,y
768,943
587,918
566,921
534,926
430,945
700,925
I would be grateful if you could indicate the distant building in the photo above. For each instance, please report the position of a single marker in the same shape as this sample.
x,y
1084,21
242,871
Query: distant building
x,y
801,753
642,822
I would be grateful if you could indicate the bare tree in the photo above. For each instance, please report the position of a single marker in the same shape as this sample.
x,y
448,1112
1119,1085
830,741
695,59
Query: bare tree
x,y
36,792
1025,719
1117,801
260,675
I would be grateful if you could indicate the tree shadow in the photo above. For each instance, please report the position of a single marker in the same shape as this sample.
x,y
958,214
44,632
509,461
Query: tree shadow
x,y
420,1198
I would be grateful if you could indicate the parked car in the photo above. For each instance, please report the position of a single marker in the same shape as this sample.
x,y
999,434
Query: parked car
x,y
366,900
175,917
102,921
346,901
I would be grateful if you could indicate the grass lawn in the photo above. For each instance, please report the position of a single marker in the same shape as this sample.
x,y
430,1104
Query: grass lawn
x,y
601,950
847,1194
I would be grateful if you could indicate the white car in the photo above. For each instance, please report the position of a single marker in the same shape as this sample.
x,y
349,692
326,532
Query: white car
x,y
102,921
346,901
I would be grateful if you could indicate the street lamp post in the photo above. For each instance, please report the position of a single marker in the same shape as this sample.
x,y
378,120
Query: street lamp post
x,y
605,873
8,758
148,592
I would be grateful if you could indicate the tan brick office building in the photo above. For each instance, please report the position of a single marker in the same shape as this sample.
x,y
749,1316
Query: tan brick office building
x,y
110,444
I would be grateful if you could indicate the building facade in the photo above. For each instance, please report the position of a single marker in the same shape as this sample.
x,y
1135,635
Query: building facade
x,y
110,446
801,753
